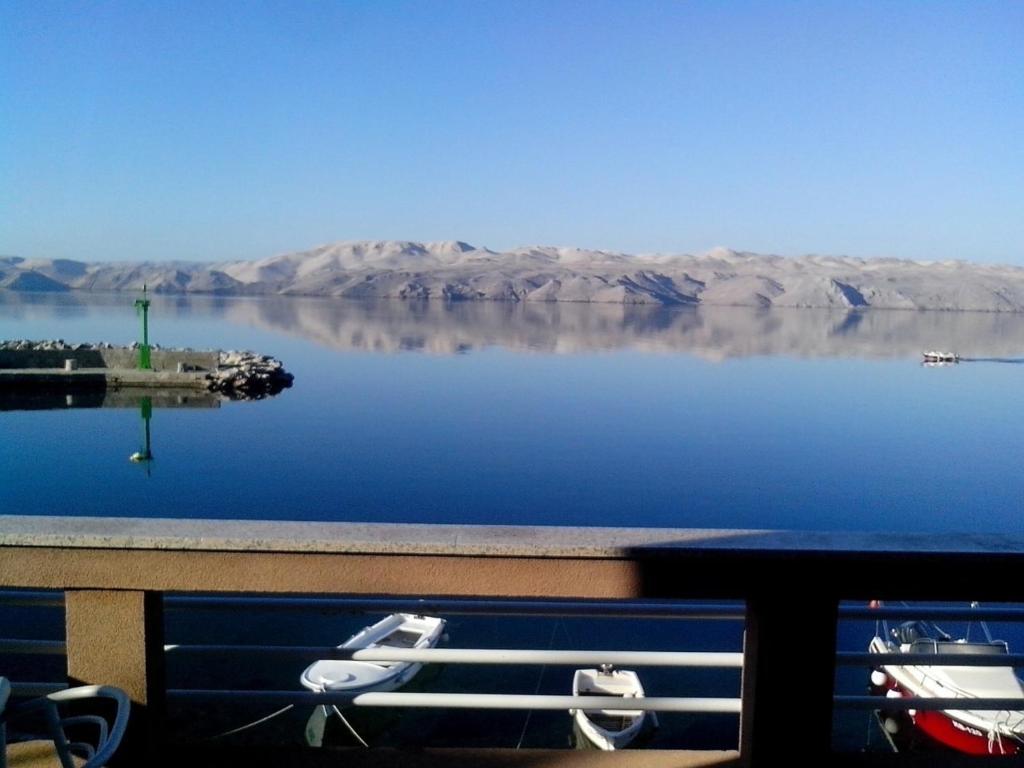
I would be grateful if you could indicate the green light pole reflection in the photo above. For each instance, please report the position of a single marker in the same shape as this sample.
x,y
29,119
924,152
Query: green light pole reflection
x,y
145,456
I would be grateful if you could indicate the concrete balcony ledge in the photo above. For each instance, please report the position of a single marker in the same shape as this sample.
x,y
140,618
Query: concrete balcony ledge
x,y
115,573
121,533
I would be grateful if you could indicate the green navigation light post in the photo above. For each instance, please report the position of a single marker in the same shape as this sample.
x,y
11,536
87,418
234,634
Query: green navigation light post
x,y
142,306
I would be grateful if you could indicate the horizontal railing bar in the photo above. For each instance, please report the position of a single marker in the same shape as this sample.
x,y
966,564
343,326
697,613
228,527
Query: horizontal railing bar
x,y
928,704
40,647
454,607
36,598
849,658
931,612
489,655
471,700
36,689
504,701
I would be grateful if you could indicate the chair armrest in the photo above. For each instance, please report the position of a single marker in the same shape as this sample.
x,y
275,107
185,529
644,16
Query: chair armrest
x,y
110,740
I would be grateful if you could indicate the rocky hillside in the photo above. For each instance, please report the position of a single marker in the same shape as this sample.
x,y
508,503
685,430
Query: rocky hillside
x,y
455,270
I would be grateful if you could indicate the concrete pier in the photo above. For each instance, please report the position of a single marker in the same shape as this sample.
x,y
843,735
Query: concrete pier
x,y
99,378
101,367
88,357
57,366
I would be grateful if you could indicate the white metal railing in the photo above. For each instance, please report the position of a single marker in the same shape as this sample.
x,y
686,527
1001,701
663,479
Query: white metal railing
x,y
33,647
511,608
933,612
723,660
467,700
25,598
493,656
32,597
868,659
929,704
27,688
633,609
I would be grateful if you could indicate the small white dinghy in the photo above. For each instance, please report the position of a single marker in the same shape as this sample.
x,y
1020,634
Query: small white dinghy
x,y
609,729
399,630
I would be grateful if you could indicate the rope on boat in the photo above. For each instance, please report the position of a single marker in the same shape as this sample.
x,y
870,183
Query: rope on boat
x,y
349,725
247,726
995,739
877,716
540,679
1003,727
281,711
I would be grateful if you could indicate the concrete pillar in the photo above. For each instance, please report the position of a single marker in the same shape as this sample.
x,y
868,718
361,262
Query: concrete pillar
x,y
116,638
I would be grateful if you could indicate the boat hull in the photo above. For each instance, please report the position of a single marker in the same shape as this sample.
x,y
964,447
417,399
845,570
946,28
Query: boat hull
x,y
356,677
966,731
946,729
935,356
612,728
603,739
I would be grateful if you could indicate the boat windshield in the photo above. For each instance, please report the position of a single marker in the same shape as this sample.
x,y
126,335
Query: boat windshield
x,y
930,645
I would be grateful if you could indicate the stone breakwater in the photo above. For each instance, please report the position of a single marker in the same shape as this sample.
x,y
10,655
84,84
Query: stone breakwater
x,y
236,375
246,375
59,345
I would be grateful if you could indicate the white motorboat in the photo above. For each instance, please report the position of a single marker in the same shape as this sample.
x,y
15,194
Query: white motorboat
x,y
938,356
973,731
399,630
609,729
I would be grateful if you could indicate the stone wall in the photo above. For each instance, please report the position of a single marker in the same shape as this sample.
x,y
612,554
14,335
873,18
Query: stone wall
x,y
113,357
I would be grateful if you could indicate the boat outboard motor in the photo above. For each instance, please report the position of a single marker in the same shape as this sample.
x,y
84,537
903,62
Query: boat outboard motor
x,y
909,632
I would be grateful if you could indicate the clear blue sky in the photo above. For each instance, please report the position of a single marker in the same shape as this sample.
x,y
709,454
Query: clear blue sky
x,y
216,130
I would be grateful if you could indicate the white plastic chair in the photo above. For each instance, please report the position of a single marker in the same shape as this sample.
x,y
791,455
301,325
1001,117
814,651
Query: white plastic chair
x,y
58,749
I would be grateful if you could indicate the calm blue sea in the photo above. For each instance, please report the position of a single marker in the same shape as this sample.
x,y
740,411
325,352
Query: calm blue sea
x,y
544,414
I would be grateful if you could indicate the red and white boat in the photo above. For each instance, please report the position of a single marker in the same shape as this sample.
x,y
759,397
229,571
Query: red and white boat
x,y
973,731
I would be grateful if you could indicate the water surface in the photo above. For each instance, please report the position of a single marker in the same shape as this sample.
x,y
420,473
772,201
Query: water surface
x,y
544,414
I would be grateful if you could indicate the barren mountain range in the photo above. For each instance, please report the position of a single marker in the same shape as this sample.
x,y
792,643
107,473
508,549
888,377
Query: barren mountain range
x,y
454,270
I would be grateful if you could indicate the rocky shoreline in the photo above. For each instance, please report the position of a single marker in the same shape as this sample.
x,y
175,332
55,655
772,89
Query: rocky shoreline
x,y
237,375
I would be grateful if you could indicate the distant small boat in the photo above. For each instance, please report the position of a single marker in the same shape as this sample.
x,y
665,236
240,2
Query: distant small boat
x,y
609,729
935,356
399,630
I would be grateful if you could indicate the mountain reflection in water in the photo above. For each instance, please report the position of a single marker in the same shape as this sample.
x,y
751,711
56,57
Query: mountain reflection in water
x,y
712,333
